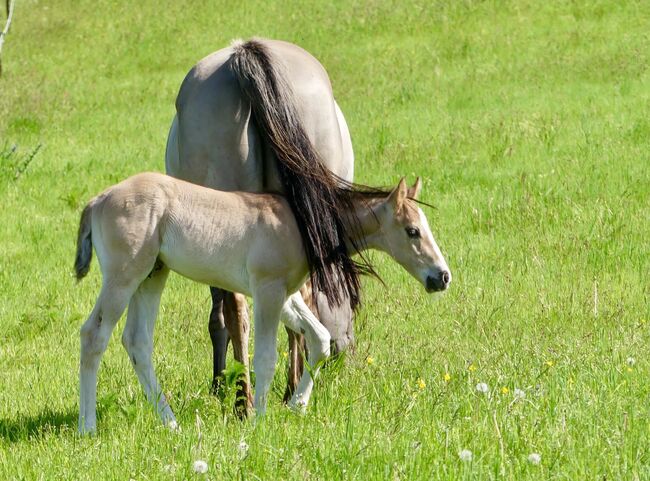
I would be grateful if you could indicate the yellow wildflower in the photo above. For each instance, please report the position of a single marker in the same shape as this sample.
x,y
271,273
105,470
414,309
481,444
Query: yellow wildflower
x,y
550,363
370,360
421,384
285,354
505,390
472,367
447,377
629,369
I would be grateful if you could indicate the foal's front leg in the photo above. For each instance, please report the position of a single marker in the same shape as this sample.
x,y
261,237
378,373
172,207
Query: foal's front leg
x,y
297,316
268,299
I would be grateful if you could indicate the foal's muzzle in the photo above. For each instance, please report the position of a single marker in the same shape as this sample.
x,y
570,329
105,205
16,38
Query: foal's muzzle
x,y
439,283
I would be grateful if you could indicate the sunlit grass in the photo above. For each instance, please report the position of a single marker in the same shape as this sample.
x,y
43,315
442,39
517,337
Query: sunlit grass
x,y
529,124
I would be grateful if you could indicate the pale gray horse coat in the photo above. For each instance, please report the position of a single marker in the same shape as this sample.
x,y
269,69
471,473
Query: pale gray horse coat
x,y
214,141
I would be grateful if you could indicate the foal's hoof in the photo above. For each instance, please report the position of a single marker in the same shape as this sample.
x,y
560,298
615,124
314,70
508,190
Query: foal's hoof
x,y
174,426
87,430
299,407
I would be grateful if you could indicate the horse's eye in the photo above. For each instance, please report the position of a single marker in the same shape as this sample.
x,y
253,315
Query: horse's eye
x,y
412,232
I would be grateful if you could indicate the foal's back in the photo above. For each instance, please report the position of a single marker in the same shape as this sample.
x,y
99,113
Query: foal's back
x,y
219,238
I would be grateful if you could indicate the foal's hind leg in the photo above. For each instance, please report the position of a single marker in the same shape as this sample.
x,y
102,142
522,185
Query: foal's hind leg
x,y
95,334
138,339
297,316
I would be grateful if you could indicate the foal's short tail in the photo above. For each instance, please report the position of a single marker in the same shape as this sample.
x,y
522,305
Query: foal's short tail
x,y
84,243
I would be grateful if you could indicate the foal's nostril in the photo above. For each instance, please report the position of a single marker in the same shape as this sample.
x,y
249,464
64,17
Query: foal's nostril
x,y
439,283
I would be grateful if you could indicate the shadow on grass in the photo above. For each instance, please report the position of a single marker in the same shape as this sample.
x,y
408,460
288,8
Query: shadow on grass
x,y
23,427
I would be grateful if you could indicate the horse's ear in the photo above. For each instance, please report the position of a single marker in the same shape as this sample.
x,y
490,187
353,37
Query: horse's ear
x,y
398,195
414,192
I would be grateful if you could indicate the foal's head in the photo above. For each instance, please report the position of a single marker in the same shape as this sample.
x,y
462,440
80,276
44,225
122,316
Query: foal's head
x,y
406,236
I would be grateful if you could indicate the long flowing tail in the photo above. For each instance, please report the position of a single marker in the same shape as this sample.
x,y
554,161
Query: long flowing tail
x,y
84,244
318,203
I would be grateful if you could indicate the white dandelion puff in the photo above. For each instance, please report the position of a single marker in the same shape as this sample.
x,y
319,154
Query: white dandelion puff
x,y
465,455
534,458
631,361
200,466
482,387
519,393
243,448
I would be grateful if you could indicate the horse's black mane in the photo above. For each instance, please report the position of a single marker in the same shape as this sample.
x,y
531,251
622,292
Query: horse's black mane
x,y
321,202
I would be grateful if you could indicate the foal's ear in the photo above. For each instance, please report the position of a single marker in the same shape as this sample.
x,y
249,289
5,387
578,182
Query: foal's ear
x,y
398,195
414,192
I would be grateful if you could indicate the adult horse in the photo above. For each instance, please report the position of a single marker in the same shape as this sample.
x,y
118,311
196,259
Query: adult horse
x,y
216,140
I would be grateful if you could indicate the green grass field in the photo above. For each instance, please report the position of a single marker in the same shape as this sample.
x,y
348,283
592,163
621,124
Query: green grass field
x,y
530,124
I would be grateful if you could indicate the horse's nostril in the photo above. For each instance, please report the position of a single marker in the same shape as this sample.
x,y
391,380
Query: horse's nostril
x,y
445,277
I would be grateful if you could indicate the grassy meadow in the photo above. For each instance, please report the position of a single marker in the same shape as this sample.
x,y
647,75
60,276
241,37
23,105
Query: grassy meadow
x,y
530,124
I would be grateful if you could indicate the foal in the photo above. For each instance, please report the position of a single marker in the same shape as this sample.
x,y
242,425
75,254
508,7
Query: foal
x,y
150,224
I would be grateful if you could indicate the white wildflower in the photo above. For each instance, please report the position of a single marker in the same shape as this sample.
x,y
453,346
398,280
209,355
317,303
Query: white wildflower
x,y
482,387
200,466
465,455
631,361
519,393
534,458
243,449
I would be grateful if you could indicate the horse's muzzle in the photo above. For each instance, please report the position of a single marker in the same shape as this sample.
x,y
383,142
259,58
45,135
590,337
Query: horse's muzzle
x,y
440,283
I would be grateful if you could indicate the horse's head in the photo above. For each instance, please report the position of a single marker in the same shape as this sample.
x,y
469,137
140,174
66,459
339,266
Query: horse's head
x,y
406,236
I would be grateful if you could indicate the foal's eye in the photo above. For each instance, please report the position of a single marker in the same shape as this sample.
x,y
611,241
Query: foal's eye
x,y
412,232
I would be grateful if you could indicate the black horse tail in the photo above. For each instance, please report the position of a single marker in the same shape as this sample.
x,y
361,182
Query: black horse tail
x,y
317,200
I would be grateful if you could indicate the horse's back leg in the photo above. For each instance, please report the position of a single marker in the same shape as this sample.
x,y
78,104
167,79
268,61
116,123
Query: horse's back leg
x,y
295,363
237,321
218,336
94,335
138,339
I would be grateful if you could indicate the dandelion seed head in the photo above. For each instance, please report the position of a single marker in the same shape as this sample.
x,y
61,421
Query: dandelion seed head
x,y
630,361
243,448
534,458
465,455
519,393
200,466
482,387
